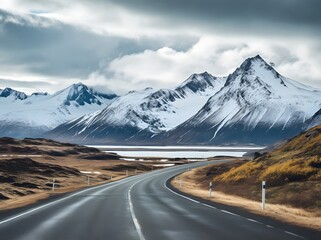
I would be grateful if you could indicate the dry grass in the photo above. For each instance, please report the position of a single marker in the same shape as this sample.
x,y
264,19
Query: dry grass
x,y
292,173
240,173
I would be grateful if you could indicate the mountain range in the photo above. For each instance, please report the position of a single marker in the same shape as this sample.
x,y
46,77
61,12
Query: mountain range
x,y
253,105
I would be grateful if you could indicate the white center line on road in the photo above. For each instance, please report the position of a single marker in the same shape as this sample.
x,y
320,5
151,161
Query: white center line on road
x,y
136,223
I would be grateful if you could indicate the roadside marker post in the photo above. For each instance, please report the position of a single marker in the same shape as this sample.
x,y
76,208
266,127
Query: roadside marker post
x,y
53,184
88,180
126,172
211,188
263,194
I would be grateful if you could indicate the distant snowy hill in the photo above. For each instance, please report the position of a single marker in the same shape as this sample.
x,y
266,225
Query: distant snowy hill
x,y
144,113
253,105
29,116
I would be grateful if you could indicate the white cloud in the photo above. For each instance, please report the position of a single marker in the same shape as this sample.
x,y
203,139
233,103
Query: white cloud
x,y
166,67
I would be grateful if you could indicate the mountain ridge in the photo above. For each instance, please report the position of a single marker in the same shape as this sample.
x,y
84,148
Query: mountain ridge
x,y
254,105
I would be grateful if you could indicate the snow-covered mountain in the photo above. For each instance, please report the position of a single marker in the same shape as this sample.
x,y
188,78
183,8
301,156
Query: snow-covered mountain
x,y
29,116
256,105
144,113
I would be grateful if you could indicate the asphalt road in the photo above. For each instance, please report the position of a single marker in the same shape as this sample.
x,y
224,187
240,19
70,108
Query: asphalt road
x,y
140,207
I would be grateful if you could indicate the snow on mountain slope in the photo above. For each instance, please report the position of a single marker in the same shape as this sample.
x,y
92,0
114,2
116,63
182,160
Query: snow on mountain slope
x,y
147,110
256,101
41,112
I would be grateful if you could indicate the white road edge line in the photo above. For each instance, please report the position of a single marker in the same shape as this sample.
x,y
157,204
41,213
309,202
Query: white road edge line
x,y
252,220
234,214
180,194
54,202
208,206
293,234
135,220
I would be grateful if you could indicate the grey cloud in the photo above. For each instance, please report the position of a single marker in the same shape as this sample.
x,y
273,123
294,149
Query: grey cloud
x,y
279,16
54,49
280,10
63,50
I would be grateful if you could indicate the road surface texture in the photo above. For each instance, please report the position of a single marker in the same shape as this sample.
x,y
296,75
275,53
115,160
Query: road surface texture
x,y
140,207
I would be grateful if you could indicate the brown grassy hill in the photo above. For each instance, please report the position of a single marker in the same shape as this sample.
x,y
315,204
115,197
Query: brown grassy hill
x,y
292,173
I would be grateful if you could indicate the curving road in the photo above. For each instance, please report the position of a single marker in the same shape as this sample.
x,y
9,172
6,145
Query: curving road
x,y
140,207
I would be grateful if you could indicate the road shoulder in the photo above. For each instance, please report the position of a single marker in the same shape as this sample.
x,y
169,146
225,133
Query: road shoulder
x,y
184,184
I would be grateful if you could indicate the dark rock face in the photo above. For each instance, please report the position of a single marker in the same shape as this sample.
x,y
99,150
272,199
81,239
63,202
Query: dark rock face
x,y
81,94
10,92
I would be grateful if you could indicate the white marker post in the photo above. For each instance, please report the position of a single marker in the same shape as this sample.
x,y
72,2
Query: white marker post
x,y
263,194
88,180
53,184
211,188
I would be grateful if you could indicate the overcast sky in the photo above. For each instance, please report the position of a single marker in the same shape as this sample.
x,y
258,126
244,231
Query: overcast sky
x,y
132,44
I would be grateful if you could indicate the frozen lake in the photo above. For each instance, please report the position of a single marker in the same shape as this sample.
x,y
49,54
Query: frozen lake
x,y
176,151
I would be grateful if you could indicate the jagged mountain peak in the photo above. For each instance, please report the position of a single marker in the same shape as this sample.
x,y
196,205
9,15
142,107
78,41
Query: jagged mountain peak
x,y
81,94
200,82
14,93
256,73
254,64
198,77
